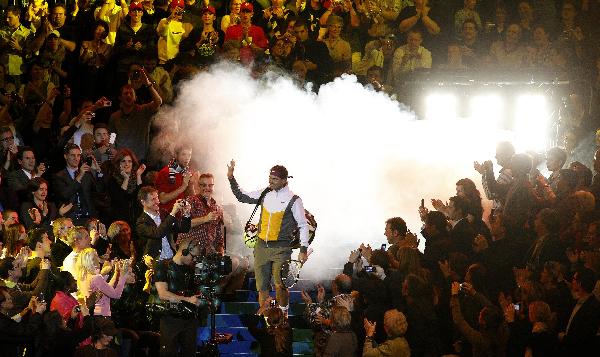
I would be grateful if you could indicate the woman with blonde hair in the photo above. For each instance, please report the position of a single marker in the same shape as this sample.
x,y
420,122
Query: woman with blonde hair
x,y
90,281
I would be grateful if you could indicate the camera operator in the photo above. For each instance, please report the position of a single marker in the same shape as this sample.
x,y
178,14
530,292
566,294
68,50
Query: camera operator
x,y
174,282
75,184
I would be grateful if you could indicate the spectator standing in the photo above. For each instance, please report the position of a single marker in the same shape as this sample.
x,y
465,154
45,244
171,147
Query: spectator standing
x,y
94,55
156,233
75,184
18,179
135,39
171,31
412,56
468,12
342,341
395,326
233,18
419,18
314,54
580,335
13,38
123,186
339,48
78,239
509,52
113,15
89,280
251,38
132,121
173,180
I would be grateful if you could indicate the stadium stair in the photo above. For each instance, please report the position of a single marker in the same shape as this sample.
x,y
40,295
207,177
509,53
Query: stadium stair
x,y
233,317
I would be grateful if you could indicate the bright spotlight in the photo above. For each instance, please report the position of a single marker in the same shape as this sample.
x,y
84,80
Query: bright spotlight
x,y
441,106
532,120
487,109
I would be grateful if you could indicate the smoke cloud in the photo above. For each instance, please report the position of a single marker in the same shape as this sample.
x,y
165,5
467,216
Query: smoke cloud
x,y
357,156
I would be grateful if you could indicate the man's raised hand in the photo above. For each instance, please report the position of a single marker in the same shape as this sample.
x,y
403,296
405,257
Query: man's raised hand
x,y
230,169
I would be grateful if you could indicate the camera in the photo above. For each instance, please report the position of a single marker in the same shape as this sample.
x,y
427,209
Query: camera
x,y
462,286
273,303
88,160
210,268
517,307
370,269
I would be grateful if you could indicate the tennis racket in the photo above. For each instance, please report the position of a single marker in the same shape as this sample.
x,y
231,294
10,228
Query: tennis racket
x,y
290,271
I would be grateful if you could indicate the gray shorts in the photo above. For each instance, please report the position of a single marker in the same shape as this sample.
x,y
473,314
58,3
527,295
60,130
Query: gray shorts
x,y
267,264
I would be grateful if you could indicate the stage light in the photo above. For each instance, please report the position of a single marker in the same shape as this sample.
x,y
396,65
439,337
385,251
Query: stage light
x,y
487,109
532,122
441,106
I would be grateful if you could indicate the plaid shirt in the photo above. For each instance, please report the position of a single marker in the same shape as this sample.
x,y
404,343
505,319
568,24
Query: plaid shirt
x,y
209,235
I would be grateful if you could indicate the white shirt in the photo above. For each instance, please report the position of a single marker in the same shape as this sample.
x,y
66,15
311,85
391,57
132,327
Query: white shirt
x,y
277,201
69,263
166,251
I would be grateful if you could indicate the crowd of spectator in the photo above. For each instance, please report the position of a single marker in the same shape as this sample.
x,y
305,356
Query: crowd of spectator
x,y
81,82
526,284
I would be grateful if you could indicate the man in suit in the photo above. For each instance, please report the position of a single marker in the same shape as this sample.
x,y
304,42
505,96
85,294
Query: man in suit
x,y
74,185
156,233
18,179
580,334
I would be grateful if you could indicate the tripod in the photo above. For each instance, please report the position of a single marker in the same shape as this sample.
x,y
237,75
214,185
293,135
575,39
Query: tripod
x,y
211,347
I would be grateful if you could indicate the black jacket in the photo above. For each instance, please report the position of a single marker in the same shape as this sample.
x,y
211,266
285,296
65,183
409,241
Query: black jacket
x,y
151,235
66,189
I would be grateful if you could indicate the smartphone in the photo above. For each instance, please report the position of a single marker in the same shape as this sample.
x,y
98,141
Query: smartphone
x,y
384,247
422,203
112,139
370,269
517,307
